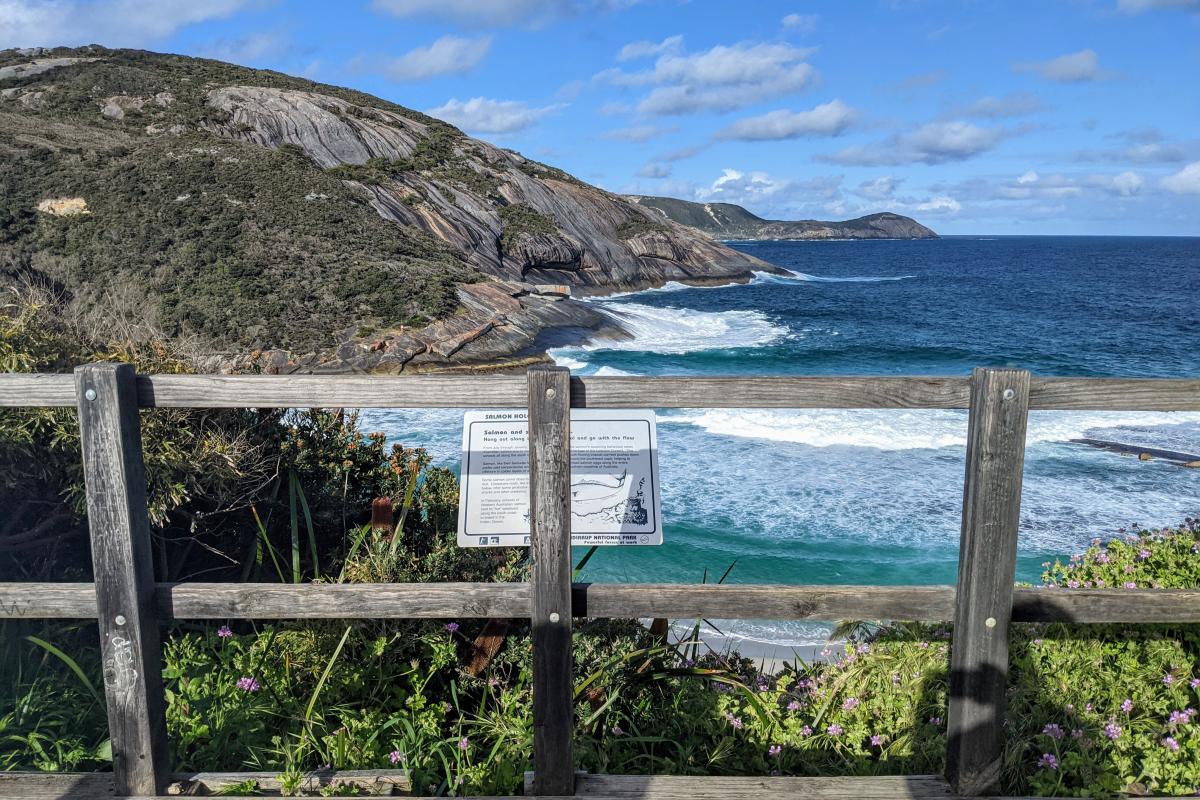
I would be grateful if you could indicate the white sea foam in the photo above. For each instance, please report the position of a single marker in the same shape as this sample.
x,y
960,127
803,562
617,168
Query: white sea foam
x,y
804,277
562,360
683,330
909,429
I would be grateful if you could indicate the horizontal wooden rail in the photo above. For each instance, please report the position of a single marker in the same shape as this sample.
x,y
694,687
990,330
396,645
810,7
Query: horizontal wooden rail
x,y
600,600
100,784
504,391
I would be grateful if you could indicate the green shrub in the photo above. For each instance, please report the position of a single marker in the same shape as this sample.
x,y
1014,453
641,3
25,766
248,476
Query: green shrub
x,y
519,219
636,226
211,236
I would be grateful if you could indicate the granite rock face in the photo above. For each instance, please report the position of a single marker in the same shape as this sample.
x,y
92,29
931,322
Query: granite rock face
x,y
459,200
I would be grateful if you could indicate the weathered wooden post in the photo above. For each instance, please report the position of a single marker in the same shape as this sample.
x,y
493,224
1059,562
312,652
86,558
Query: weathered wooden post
x,y
986,570
110,434
550,529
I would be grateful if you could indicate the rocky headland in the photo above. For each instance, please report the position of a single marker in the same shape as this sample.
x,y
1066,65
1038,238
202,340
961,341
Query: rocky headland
x,y
729,221
292,226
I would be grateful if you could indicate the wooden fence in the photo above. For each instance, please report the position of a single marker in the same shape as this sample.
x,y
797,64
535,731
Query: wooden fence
x,y
130,606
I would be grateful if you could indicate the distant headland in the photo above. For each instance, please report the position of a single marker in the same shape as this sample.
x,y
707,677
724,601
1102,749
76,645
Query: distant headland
x,y
729,221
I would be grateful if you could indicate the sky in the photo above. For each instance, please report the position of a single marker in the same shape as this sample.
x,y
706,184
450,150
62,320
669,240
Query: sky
x,y
974,117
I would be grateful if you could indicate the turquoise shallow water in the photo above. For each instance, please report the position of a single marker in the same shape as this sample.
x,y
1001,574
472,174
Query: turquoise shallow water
x,y
873,497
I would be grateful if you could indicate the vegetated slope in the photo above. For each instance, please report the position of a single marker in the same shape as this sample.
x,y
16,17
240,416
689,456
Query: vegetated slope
x,y
261,211
729,221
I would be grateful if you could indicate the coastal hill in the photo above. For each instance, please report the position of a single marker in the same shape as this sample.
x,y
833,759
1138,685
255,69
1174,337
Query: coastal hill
x,y
287,225
729,221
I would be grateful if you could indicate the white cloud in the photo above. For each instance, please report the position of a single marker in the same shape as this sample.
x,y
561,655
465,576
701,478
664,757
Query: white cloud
x,y
1031,185
494,13
723,78
735,186
1125,184
638,133
942,204
1070,68
932,143
449,55
803,23
1140,146
644,49
1016,104
827,119
1186,181
249,49
654,169
116,23
683,153
878,188
1138,6
484,115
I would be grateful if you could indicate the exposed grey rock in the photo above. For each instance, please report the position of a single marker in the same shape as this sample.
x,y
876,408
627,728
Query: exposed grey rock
x,y
545,251
38,66
585,253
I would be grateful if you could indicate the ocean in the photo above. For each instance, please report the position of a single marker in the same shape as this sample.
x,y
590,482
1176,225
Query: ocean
x,y
874,496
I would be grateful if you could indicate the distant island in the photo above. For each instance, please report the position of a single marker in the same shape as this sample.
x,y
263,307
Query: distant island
x,y
729,221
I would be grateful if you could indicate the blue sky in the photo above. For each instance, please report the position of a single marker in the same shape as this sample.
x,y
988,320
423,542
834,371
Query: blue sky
x,y
1068,117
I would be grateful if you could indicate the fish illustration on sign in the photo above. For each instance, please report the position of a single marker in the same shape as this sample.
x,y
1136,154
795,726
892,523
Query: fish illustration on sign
x,y
599,491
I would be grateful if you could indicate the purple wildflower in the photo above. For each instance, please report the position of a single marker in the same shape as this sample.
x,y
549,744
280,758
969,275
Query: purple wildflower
x,y
1179,718
248,685
1127,705
464,743
806,730
1102,557
452,627
1143,554
1048,761
734,721
835,730
616,729
877,740
395,756
1194,683
224,631
1072,584
1130,585
794,705
1170,743
1053,731
1077,733
774,750
1113,731
850,704
1168,679
895,679
935,721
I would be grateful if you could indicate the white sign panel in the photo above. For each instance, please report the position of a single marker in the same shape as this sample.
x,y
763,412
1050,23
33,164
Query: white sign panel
x,y
614,479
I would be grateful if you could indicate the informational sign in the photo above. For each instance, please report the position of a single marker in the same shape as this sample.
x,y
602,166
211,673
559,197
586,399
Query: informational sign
x,y
614,479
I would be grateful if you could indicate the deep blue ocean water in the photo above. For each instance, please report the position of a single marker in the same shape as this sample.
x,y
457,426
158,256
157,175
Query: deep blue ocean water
x,y
874,496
